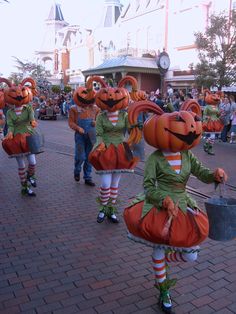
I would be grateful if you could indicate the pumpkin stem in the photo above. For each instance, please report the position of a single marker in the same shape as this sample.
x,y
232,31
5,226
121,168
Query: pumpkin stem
x,y
4,80
191,105
134,110
98,79
33,84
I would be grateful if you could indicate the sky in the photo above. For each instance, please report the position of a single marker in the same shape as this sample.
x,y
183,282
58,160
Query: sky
x,y
22,25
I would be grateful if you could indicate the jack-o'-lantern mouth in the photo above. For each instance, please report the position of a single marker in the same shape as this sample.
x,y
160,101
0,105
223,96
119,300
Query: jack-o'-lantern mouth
x,y
188,139
111,102
18,98
85,101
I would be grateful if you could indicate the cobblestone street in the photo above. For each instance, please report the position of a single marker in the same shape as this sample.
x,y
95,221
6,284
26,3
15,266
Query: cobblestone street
x,y
55,257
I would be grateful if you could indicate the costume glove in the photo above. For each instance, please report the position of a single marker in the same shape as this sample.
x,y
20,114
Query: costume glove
x,y
220,175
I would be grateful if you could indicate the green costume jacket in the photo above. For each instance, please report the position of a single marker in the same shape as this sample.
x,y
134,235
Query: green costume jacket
x,y
20,124
108,133
212,112
160,180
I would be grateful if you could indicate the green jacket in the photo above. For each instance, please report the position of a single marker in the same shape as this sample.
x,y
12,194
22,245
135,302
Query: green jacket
x,y
20,124
107,132
161,180
212,112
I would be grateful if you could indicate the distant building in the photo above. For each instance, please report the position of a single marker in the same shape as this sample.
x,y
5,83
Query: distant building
x,y
127,41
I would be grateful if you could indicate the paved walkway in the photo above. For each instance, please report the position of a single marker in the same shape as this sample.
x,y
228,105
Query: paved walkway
x,y
55,258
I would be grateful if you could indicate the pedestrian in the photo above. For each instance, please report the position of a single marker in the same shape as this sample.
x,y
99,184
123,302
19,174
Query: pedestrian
x,y
212,123
233,127
225,109
21,124
165,217
111,155
152,96
82,117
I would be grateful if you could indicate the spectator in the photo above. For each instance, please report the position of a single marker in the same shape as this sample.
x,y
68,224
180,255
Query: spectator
x,y
225,110
152,96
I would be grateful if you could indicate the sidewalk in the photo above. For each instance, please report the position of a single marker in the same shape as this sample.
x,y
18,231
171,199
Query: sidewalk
x,y
55,258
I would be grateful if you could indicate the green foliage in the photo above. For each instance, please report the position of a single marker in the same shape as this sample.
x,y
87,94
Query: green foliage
x,y
67,89
56,89
217,52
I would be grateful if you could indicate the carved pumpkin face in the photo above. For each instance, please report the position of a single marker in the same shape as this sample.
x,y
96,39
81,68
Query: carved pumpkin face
x,y
18,95
83,96
212,99
112,99
173,132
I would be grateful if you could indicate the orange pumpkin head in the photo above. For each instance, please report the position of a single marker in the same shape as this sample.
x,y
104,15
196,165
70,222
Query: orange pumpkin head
x,y
212,99
173,132
85,95
19,95
112,98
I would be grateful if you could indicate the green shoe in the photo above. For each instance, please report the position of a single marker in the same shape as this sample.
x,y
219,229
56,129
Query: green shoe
x,y
111,213
32,180
25,190
164,301
210,150
205,147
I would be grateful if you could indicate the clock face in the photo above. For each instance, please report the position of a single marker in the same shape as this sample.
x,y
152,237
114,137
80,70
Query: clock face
x,y
164,62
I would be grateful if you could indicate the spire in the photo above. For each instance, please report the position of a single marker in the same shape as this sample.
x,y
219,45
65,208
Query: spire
x,y
55,13
112,11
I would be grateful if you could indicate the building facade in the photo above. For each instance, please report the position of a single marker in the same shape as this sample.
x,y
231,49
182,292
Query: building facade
x,y
138,32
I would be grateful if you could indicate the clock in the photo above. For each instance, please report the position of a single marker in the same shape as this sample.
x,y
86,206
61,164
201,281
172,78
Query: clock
x,y
164,61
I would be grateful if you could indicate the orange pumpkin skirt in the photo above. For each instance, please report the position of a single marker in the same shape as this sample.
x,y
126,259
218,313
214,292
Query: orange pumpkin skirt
x,y
186,230
113,158
212,126
17,146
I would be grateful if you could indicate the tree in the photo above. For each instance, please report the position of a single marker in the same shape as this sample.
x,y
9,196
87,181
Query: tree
x,y
36,71
217,52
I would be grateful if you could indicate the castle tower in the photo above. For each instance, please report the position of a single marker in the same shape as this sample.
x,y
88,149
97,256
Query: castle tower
x,y
111,13
48,54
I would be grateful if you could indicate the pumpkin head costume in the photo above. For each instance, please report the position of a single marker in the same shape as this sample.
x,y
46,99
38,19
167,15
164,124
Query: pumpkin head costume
x,y
111,155
81,119
21,124
211,124
165,217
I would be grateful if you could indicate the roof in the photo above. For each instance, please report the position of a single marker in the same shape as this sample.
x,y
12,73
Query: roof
x,y
125,63
55,13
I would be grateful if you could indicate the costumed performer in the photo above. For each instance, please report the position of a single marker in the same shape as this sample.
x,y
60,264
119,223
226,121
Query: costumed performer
x,y
21,124
136,95
165,217
82,118
111,155
212,124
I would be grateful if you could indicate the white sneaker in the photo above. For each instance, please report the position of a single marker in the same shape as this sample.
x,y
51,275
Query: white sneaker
x,y
231,142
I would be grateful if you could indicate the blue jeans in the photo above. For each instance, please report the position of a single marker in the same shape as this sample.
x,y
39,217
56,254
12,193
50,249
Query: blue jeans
x,y
83,147
224,133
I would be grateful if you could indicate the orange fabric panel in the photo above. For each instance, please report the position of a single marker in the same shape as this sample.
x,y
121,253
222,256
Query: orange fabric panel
x,y
112,158
18,145
186,229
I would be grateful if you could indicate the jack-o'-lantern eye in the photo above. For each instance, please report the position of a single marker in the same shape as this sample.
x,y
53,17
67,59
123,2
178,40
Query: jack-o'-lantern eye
x,y
117,91
179,119
197,118
84,92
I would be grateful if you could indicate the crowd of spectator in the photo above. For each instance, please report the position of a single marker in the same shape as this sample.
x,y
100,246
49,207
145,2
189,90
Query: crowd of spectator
x,y
173,100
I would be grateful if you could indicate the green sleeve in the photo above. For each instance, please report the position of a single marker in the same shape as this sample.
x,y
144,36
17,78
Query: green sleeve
x,y
10,123
31,113
150,182
198,170
99,130
127,125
